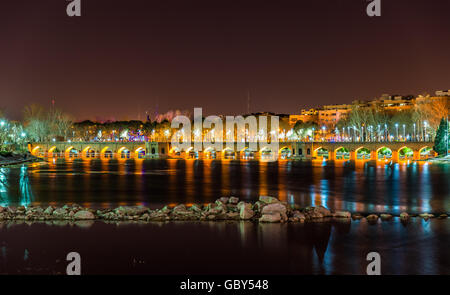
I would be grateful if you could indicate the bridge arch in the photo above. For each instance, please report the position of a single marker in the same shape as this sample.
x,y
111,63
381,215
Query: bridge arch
x,y
364,153
71,152
228,153
285,152
88,152
35,150
106,153
341,153
53,152
405,153
320,152
139,153
209,153
123,153
384,151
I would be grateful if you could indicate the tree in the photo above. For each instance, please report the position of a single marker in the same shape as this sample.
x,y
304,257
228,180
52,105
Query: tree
x,y
441,140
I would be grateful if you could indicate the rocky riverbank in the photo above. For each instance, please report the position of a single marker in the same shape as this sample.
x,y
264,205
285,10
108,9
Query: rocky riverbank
x,y
11,158
265,210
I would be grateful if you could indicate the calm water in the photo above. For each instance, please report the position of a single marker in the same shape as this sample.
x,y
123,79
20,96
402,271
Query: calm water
x,y
360,187
186,248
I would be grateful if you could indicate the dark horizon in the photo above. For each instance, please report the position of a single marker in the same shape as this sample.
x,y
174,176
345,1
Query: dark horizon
x,y
122,58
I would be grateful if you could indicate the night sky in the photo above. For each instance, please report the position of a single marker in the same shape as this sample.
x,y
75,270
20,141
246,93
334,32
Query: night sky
x,y
121,58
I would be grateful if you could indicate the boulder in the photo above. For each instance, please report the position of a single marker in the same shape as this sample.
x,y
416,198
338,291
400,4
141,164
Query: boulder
x,y
60,212
222,200
297,216
246,212
342,214
274,208
84,215
196,207
131,210
178,208
426,215
385,217
317,212
268,200
49,210
2,209
233,200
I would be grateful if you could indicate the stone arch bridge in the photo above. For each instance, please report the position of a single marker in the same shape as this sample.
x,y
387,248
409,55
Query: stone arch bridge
x,y
286,150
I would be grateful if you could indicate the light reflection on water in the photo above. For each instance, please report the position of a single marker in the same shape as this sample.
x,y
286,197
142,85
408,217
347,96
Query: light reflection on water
x,y
360,187
21,187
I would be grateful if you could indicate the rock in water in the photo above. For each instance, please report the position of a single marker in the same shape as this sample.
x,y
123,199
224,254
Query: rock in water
x,y
84,215
342,214
404,216
372,217
357,216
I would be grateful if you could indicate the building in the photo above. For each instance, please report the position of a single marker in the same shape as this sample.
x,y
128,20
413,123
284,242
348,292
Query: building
x,y
311,115
443,93
393,103
330,115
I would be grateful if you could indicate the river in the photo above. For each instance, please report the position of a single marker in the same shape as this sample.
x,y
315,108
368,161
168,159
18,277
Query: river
x,y
357,187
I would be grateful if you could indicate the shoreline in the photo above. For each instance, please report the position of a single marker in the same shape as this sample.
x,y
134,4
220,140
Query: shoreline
x,y
17,159
265,210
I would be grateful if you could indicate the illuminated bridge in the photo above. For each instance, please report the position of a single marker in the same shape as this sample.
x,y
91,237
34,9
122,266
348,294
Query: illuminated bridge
x,y
396,151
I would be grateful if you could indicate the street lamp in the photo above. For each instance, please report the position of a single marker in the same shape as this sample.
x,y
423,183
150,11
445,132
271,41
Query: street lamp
x,y
404,132
425,130
396,130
